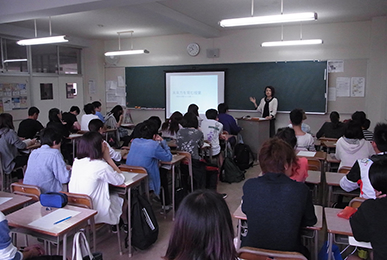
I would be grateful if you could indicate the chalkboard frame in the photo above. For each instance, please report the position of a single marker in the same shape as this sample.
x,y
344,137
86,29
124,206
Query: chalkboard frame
x,y
292,80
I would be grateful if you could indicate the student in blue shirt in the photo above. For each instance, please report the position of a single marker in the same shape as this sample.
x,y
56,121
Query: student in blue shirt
x,y
97,108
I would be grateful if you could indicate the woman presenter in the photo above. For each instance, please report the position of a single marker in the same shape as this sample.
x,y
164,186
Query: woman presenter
x,y
268,107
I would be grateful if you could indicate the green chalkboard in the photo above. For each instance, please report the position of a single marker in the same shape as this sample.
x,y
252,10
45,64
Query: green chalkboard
x,y
298,84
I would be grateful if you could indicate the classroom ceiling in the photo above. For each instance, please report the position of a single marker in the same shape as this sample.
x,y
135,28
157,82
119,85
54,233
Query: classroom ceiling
x,y
102,19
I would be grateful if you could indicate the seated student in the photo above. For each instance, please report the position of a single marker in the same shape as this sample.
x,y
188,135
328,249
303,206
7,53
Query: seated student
x,y
369,222
96,125
228,121
70,118
332,129
9,145
276,206
193,108
304,127
352,146
203,229
28,128
98,107
367,133
9,251
88,116
91,175
46,167
136,133
113,120
213,130
305,141
172,125
190,139
358,175
146,152
300,164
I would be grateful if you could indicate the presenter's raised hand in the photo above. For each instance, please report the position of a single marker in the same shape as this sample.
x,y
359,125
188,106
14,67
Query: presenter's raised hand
x,y
254,101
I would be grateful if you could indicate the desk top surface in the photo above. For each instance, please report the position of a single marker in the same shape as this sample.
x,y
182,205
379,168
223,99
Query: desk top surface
x,y
335,224
332,159
314,177
132,178
238,214
12,204
25,216
175,159
320,155
333,178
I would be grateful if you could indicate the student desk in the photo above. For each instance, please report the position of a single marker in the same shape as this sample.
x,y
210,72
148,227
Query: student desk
x,y
73,137
330,160
333,180
132,179
335,226
314,178
238,214
20,222
13,202
177,158
330,145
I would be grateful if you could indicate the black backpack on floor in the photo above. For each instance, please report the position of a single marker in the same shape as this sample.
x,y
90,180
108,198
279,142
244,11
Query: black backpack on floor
x,y
230,172
145,228
243,156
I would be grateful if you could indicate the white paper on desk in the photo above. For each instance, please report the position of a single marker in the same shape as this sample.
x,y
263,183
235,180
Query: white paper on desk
x,y
353,242
47,222
75,135
306,154
129,176
4,199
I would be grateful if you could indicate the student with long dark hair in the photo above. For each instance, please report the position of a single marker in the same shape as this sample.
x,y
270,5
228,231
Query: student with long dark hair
x,y
113,120
202,229
332,129
173,124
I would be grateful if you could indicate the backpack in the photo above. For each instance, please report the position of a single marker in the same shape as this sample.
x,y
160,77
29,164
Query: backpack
x,y
243,156
230,172
145,228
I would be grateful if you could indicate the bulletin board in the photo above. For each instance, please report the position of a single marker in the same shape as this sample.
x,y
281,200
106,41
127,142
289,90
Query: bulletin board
x,y
14,96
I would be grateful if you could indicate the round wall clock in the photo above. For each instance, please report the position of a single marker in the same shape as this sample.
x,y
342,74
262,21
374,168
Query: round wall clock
x,y
193,49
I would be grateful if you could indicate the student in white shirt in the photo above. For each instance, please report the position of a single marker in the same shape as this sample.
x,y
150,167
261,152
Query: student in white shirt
x,y
212,130
305,141
88,116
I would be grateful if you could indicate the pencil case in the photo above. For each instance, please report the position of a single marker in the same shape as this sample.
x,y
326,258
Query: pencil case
x,y
53,199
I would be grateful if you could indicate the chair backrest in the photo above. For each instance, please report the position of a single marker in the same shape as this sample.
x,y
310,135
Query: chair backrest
x,y
26,190
129,168
79,200
356,202
251,253
344,169
314,164
328,139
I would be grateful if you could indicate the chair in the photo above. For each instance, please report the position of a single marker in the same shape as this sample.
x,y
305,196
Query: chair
x,y
84,201
6,179
344,169
188,161
356,202
314,164
251,253
26,190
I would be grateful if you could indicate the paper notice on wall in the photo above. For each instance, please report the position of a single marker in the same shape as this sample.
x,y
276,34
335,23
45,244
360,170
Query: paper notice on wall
x,y
92,87
332,94
121,82
7,104
121,92
357,86
335,66
110,84
343,86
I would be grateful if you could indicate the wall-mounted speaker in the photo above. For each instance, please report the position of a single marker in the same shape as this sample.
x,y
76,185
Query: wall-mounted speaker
x,y
212,53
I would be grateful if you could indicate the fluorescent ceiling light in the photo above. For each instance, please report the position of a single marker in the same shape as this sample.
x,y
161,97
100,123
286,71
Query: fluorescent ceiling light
x,y
14,60
270,19
128,52
292,43
43,40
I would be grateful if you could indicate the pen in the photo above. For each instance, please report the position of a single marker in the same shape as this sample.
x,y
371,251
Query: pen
x,y
62,220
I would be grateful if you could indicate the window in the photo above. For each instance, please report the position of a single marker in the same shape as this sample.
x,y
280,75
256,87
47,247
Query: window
x,y
69,60
44,58
14,56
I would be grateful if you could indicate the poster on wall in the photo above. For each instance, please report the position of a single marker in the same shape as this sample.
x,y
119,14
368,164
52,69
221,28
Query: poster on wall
x,y
71,90
13,96
357,86
46,91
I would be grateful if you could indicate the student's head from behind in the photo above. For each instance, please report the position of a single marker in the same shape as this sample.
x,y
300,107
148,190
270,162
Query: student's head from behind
x,y
89,109
117,111
6,121
156,120
50,137
380,138
191,120
276,156
366,124
202,229
97,106
193,108
96,125
75,110
378,176
353,130
288,135
334,117
33,112
269,91
148,129
90,145
54,115
296,116
212,114
222,108
359,116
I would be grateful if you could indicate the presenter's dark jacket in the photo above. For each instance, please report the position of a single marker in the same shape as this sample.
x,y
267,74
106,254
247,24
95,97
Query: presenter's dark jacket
x,y
369,225
276,208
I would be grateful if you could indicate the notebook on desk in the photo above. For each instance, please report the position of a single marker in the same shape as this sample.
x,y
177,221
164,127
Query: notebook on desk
x,y
129,176
306,154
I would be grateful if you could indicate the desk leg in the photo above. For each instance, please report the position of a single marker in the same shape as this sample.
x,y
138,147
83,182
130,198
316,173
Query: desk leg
x,y
238,245
92,224
73,148
173,192
330,241
329,195
315,244
64,245
129,224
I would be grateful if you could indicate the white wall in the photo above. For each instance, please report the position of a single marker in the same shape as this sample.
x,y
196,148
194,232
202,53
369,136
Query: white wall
x,y
356,40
